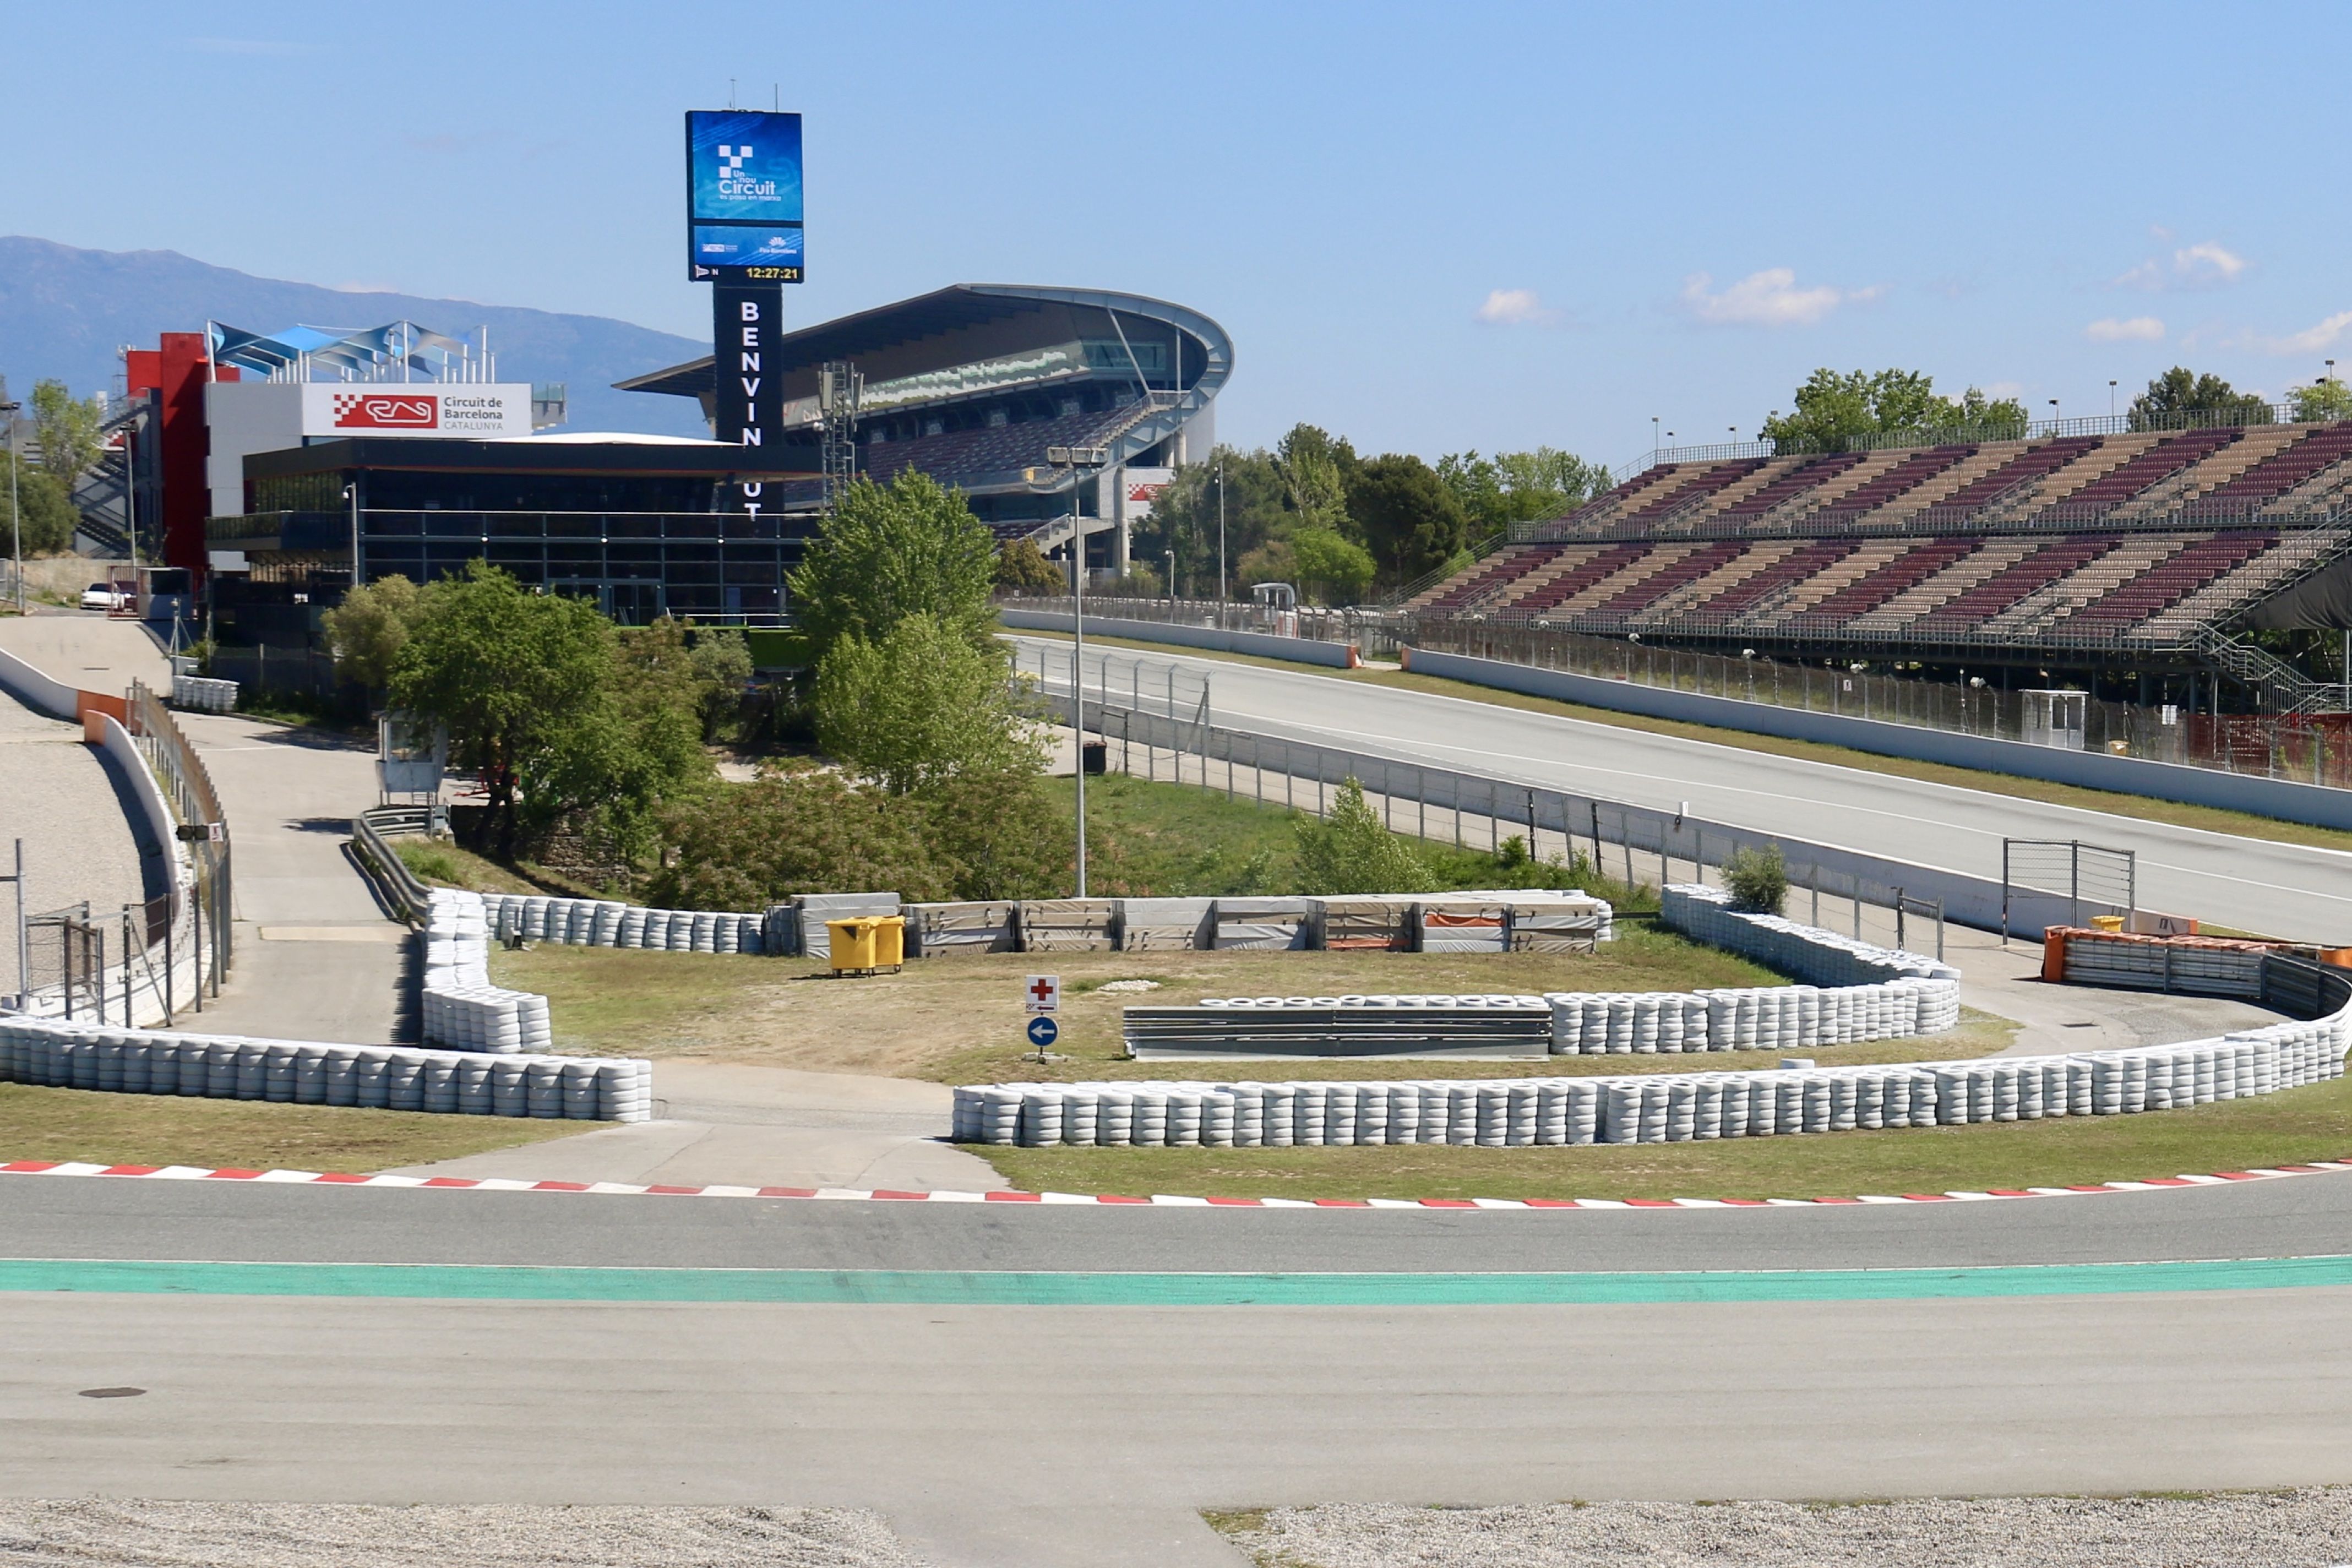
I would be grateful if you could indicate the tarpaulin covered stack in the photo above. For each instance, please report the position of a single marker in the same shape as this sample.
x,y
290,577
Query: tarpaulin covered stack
x,y
941,931
1268,923
1497,1025
1374,922
1069,925
1157,925
813,909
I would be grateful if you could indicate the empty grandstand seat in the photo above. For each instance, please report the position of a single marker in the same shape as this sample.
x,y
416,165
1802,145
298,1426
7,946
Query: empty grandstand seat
x,y
1806,561
2167,457
2033,463
1908,475
1637,596
2005,588
2275,474
1805,477
1598,567
1914,565
2171,580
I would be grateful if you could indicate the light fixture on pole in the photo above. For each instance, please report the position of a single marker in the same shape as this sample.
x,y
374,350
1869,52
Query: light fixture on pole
x,y
351,494
1064,464
1172,577
2111,400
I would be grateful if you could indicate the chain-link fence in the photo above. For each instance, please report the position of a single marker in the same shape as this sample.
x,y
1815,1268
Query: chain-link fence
x,y
1177,741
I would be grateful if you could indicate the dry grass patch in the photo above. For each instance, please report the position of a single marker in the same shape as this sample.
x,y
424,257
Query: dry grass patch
x,y
959,1019
166,1129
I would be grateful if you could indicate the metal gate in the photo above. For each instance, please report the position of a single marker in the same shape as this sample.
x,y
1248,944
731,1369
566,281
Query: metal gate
x,y
66,954
2087,879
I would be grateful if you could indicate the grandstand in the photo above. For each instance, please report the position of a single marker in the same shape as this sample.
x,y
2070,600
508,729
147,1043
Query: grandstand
x,y
971,383
2089,551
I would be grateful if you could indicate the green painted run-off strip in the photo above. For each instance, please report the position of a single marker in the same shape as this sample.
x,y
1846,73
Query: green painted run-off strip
x,y
1019,1289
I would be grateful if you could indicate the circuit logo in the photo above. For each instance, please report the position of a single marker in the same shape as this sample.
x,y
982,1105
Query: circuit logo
x,y
734,183
386,411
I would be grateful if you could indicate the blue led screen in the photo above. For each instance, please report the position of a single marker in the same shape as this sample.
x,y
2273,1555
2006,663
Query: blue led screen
x,y
743,196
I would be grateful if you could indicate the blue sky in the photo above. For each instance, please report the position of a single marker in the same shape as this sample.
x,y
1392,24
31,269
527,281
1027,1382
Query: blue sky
x,y
1427,227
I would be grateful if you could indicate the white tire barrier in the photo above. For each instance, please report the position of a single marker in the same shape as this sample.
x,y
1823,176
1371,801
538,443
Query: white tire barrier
x,y
62,1055
1657,1108
605,922
203,694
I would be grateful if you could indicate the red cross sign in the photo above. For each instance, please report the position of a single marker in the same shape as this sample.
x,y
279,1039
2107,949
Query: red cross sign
x,y
1043,994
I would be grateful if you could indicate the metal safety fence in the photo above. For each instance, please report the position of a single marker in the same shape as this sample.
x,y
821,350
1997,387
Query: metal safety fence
x,y
1639,846
204,828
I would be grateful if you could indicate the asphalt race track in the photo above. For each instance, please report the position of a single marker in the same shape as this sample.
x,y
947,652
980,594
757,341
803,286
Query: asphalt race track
x,y
1054,1384
2248,884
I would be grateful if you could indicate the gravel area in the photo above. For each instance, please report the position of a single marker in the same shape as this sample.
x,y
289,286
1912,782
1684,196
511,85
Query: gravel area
x,y
2309,1529
300,1535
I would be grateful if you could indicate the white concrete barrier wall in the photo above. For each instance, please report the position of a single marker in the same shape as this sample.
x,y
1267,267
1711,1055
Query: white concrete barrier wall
x,y
1656,1107
52,1052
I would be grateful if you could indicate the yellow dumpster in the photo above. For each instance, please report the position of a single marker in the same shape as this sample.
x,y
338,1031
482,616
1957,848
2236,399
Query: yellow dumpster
x,y
867,944
2108,923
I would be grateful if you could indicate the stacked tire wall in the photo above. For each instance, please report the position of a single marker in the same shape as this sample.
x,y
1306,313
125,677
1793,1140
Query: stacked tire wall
x,y
609,923
1656,1107
61,1055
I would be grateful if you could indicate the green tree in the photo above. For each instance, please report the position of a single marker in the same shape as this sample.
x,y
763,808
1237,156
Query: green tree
x,y
46,518
1833,409
71,431
1317,473
1000,834
2180,397
2322,400
1020,567
887,551
1406,516
538,703
1184,517
749,846
920,706
1351,852
700,670
1519,487
1332,569
369,629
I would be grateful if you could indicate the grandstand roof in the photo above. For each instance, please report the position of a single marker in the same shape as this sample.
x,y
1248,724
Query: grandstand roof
x,y
2146,539
971,382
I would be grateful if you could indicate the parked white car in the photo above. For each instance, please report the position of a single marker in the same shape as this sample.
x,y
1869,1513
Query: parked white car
x,y
104,596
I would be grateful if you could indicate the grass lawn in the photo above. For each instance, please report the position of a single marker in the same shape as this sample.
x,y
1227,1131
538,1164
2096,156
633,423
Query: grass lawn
x,y
2210,818
959,1020
1158,839
166,1129
2292,1128
446,865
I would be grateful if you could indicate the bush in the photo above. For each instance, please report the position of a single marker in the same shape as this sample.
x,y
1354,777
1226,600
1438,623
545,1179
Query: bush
x,y
1758,878
1351,852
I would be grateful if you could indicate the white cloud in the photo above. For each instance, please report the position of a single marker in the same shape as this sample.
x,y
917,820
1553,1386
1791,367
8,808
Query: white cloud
x,y
2311,339
2205,265
1767,299
1516,307
1998,390
2138,330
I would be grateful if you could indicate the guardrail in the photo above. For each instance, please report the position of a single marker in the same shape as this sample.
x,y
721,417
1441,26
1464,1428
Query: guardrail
x,y
410,897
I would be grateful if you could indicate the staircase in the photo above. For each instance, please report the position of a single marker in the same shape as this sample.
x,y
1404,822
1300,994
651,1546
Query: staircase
x,y
2285,688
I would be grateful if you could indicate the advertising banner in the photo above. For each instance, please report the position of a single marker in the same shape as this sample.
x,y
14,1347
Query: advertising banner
x,y
743,196
1143,487
376,409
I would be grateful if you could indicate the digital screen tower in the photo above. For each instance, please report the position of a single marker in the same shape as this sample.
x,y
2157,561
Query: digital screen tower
x,y
743,196
743,237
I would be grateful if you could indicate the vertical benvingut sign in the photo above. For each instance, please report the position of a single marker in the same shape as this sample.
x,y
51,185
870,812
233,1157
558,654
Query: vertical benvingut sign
x,y
746,319
744,237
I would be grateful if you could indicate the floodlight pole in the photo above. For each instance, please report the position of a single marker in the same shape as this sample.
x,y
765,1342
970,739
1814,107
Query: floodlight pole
x,y
15,522
1221,538
1075,459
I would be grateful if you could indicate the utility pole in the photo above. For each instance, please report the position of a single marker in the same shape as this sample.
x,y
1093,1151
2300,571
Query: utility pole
x,y
1074,461
1220,531
15,521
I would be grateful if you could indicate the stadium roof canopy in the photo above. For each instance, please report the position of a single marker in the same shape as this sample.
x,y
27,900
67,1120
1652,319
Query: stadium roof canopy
x,y
970,381
362,354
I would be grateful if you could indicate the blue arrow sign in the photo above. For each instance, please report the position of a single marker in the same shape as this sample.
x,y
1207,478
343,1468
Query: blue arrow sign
x,y
1044,1031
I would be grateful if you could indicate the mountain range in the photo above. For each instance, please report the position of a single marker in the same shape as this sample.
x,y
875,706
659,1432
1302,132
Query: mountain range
x,y
64,312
